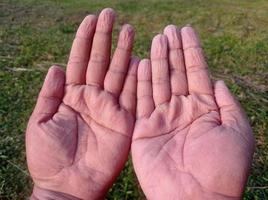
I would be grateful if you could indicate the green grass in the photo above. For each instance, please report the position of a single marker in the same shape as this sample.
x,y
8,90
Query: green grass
x,y
35,34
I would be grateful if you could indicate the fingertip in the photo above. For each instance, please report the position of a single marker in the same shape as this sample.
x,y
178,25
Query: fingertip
x,y
89,19
133,65
54,82
135,59
87,26
160,39
220,85
189,37
56,70
145,63
223,95
128,28
106,20
220,82
159,47
173,35
187,29
169,29
108,12
126,37
129,31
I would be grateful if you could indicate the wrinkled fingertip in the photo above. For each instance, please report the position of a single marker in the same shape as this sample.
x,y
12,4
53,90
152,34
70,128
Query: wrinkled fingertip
x,y
220,84
169,29
56,69
126,37
134,60
159,47
108,12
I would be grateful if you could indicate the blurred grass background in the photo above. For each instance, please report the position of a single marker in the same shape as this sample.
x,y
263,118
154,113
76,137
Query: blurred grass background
x,y
34,34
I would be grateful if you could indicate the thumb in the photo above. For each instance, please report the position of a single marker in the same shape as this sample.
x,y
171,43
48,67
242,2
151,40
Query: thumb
x,y
232,115
51,93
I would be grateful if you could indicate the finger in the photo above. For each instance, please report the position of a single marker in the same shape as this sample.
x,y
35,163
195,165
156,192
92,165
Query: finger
x,y
129,94
79,56
160,70
51,93
145,101
115,76
101,48
196,66
176,62
231,112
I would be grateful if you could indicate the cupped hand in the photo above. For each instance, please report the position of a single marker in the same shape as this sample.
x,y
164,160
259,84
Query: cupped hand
x,y
79,135
191,139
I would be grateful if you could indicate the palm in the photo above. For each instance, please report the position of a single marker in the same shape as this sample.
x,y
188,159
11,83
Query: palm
x,y
88,156
181,148
108,130
82,127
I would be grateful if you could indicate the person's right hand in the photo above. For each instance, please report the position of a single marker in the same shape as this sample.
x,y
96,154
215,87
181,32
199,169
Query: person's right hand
x,y
191,140
79,135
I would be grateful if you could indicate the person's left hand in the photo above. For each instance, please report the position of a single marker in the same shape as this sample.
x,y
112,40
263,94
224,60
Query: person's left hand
x,y
79,135
192,139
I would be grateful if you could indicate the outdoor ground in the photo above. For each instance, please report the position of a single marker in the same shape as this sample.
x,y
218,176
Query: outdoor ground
x,y
35,33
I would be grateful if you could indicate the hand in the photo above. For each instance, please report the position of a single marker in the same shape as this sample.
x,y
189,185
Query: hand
x,y
191,140
79,135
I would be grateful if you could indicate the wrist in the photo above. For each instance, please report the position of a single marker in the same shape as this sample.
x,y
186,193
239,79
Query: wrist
x,y
44,194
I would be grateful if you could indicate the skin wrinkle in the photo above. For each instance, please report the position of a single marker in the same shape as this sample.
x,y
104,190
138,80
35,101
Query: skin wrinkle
x,y
98,113
236,131
115,95
196,68
100,32
124,49
49,178
159,59
183,147
76,59
142,138
85,83
176,130
76,63
192,47
205,189
96,58
117,72
173,69
80,37
82,94
77,141
144,96
174,49
187,172
160,81
145,81
166,143
112,130
53,134
52,98
128,92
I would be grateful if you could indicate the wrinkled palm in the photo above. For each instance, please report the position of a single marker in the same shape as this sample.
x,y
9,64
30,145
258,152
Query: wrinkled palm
x,y
79,135
191,140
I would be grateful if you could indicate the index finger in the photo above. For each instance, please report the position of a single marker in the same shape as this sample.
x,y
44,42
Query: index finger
x,y
79,56
196,67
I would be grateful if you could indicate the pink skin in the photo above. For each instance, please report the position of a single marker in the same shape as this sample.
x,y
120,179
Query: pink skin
x,y
79,135
191,138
